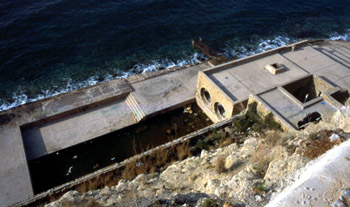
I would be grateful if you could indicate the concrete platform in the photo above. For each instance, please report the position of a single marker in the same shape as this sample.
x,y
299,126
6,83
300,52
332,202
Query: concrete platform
x,y
58,134
290,111
231,84
46,126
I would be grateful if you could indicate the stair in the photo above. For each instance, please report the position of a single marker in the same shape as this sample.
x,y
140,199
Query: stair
x,y
135,108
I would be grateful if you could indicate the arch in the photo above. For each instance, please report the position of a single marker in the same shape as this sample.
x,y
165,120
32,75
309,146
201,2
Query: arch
x,y
219,110
205,95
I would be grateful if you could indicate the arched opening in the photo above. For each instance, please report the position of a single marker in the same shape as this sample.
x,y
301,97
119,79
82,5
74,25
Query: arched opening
x,y
205,95
219,110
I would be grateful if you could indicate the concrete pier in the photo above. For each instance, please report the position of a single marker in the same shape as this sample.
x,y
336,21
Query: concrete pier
x,y
46,126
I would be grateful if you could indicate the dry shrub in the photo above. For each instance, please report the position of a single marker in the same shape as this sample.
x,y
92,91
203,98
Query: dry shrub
x,y
87,185
261,158
100,181
317,144
274,138
133,168
158,160
163,156
220,164
183,151
226,142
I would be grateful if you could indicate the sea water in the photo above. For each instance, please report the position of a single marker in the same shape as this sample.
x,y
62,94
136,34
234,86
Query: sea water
x,y
53,46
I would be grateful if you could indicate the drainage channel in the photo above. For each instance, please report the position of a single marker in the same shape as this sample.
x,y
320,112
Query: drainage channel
x,y
68,164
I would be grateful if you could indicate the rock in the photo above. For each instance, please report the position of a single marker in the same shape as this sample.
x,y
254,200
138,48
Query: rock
x,y
334,137
192,179
112,201
106,191
230,161
213,185
69,196
276,167
142,178
204,153
250,146
231,149
258,198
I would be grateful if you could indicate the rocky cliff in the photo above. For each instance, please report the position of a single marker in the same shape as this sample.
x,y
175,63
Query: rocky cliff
x,y
245,173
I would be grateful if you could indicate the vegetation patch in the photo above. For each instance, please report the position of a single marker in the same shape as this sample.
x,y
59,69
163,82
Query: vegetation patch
x,y
259,188
318,143
210,202
261,159
252,120
220,164
157,161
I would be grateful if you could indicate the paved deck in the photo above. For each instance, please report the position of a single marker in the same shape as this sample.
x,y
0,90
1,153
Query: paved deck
x,y
329,60
291,111
35,129
240,81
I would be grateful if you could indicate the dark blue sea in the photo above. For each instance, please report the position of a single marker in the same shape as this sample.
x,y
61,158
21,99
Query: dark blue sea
x,y
49,47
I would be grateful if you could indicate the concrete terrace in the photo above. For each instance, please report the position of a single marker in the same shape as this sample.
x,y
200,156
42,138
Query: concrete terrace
x,y
312,75
36,129
46,126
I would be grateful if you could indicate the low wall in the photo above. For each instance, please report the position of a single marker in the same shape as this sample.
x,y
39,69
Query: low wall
x,y
102,176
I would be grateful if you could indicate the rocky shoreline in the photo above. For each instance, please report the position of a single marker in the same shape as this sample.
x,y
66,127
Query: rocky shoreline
x,y
246,173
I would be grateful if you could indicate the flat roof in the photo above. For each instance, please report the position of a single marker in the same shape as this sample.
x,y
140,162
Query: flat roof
x,y
328,60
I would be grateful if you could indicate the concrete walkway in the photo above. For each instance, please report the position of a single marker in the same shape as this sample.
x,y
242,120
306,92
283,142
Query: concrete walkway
x,y
46,126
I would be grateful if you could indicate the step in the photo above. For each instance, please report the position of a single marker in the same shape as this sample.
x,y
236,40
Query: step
x,y
135,108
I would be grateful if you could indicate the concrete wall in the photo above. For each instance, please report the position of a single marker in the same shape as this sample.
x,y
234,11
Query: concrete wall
x,y
109,173
216,96
263,109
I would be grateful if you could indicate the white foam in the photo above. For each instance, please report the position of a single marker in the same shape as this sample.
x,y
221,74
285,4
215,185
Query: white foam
x,y
337,36
256,46
21,98
233,50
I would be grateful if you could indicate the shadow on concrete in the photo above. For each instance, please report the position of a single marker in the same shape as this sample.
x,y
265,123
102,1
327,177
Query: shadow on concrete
x,y
322,50
33,142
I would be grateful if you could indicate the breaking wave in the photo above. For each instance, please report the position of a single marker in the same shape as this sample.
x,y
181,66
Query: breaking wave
x,y
345,36
20,98
234,49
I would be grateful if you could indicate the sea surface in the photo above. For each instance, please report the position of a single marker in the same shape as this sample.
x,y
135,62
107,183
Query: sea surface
x,y
49,47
